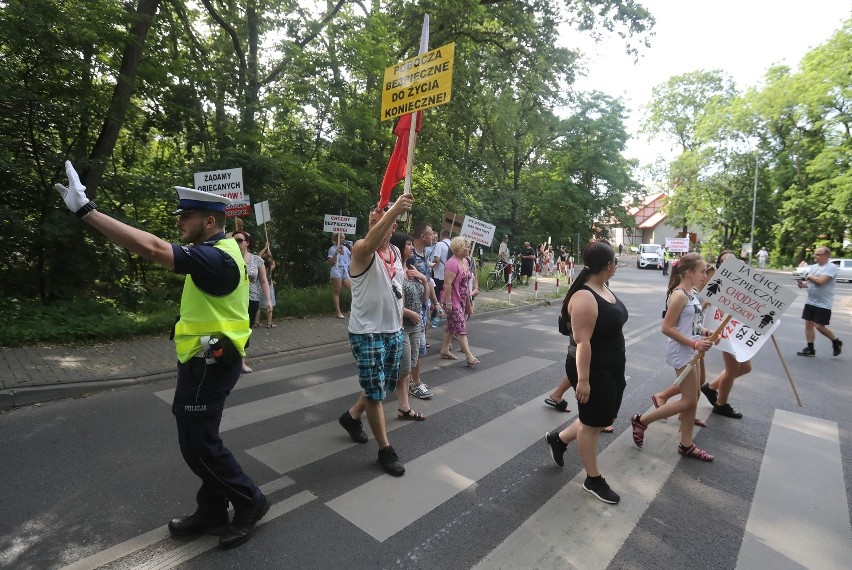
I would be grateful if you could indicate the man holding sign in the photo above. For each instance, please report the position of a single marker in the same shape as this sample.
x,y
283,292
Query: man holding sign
x,y
375,327
817,313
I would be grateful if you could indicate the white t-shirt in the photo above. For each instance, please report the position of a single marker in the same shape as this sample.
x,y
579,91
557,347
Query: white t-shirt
x,y
503,252
442,253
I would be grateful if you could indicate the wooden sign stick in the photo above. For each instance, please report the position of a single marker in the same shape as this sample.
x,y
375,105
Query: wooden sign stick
x,y
700,354
789,377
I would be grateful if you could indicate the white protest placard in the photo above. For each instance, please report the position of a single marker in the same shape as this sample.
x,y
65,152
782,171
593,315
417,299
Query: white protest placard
x,y
261,212
678,245
335,223
228,183
748,295
737,337
478,231
239,208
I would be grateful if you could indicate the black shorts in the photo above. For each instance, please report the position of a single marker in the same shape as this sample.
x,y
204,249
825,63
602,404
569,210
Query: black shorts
x,y
818,315
606,388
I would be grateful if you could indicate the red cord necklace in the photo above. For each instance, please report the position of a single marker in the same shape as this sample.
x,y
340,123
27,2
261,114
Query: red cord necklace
x,y
388,263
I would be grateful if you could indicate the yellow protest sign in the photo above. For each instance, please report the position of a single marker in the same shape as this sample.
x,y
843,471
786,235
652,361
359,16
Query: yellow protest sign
x,y
418,83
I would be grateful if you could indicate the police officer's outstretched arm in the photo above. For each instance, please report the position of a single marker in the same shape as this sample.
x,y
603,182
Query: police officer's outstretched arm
x,y
140,242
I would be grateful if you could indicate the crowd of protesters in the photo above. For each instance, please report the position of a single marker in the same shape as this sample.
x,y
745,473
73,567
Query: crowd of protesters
x,y
401,283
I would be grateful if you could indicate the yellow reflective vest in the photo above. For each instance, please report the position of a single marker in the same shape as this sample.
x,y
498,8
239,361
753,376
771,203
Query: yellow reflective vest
x,y
202,314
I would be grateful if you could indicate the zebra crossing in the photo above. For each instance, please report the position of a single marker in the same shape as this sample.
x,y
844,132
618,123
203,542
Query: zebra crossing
x,y
385,508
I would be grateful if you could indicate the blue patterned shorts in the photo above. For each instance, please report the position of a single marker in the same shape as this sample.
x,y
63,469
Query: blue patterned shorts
x,y
378,356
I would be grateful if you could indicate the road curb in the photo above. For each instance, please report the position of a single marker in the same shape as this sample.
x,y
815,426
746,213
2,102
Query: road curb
x,y
12,398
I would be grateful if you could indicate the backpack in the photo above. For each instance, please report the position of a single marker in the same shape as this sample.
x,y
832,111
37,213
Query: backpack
x,y
564,321
445,253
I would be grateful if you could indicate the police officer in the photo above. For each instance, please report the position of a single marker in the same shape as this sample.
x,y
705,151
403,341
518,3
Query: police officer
x,y
214,313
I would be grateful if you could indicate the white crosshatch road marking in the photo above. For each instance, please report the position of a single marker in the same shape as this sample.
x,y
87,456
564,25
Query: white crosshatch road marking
x,y
799,516
249,413
278,373
547,540
152,537
310,445
443,473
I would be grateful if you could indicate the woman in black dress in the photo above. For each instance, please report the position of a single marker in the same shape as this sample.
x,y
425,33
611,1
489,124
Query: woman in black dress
x,y
595,363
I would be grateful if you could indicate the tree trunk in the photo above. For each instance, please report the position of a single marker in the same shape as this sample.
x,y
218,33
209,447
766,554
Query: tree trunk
x,y
124,85
252,89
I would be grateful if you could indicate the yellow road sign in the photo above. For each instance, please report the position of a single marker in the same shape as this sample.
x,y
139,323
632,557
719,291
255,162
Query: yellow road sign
x,y
418,83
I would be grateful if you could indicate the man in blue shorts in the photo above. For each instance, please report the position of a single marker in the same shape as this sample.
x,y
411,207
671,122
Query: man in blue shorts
x,y
817,312
210,338
375,327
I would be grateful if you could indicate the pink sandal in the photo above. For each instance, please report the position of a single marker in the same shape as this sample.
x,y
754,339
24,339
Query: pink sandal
x,y
638,430
693,452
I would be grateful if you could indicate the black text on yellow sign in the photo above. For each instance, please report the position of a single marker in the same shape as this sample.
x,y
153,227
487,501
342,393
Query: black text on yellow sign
x,y
418,83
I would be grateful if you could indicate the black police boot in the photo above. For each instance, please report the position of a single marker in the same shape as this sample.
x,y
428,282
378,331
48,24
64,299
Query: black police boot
x,y
200,522
210,517
244,521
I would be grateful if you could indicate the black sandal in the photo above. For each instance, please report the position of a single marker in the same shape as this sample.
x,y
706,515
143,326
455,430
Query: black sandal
x,y
410,414
638,430
560,406
694,452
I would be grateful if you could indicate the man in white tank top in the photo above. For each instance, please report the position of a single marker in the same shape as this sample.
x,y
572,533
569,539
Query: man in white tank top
x,y
375,327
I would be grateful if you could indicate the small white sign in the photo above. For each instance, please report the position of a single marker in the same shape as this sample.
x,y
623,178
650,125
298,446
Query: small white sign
x,y
261,212
239,208
678,245
748,295
228,183
478,231
335,223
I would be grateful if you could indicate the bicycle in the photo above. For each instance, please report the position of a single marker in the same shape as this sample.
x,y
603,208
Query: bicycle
x,y
496,275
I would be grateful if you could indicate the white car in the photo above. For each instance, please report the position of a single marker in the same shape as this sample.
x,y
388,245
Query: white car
x,y
844,271
650,255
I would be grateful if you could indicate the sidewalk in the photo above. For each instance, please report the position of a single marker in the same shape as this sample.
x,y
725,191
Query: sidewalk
x,y
41,373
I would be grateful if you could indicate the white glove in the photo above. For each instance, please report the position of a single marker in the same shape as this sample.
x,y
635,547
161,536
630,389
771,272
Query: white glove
x,y
75,194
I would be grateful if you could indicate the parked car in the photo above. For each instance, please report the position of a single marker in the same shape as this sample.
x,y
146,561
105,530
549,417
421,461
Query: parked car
x,y
844,271
801,271
650,255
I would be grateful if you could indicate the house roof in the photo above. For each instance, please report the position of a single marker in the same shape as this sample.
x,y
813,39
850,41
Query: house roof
x,y
652,221
646,201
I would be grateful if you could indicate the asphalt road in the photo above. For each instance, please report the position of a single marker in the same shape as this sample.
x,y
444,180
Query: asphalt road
x,y
91,482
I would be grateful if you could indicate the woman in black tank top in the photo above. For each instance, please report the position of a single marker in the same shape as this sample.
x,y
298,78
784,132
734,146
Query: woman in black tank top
x,y
595,363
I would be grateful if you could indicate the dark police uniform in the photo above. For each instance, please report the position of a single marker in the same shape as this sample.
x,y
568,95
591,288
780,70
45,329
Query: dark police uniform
x,y
202,388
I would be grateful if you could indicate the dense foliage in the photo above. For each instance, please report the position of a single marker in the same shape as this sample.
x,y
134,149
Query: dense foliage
x,y
141,94
791,138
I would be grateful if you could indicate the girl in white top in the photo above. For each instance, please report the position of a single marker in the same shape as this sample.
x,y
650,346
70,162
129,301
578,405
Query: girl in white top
x,y
338,261
682,324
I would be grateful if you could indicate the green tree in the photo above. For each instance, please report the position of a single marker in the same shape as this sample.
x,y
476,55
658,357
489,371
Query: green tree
x,y
584,179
